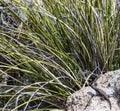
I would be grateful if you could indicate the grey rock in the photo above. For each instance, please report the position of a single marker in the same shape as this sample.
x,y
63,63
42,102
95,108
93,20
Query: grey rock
x,y
82,100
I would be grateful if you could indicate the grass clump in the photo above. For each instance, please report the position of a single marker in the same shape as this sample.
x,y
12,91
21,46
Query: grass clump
x,y
48,48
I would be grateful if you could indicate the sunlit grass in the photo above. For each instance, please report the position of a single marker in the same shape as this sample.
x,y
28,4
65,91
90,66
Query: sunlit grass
x,y
51,48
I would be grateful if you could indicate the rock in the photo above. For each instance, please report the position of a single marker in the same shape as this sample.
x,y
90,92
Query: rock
x,y
86,98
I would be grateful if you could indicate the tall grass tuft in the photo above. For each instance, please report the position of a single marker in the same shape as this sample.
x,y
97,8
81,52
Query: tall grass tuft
x,y
47,47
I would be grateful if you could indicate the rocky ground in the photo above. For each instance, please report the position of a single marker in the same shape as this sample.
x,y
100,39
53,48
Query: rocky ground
x,y
86,99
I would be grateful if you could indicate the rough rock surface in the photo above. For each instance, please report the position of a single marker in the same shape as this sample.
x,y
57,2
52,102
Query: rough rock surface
x,y
86,99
